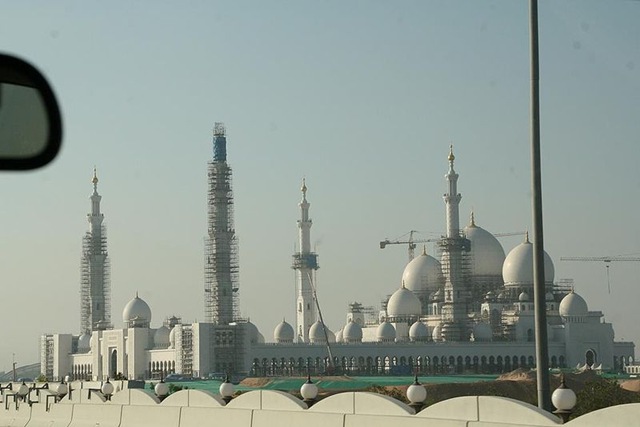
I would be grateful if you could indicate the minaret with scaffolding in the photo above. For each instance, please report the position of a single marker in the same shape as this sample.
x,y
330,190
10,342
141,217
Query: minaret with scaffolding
x,y
95,290
221,247
454,247
305,263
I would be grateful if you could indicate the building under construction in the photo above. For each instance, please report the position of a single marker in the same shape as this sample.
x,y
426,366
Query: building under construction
x,y
221,247
95,290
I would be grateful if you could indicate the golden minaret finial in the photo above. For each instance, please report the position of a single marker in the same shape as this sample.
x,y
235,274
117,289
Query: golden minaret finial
x,y
473,219
94,180
304,186
451,156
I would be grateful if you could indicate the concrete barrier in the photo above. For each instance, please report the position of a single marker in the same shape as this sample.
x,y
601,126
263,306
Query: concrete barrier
x,y
96,414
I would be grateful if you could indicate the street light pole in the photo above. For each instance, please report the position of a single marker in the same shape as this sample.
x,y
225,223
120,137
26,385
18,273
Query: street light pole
x,y
542,351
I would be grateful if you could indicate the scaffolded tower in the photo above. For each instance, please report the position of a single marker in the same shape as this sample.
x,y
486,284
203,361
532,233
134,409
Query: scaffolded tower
x,y
305,263
454,247
95,289
221,246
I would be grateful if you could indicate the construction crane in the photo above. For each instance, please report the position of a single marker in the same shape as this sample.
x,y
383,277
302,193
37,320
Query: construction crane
x,y
412,243
606,259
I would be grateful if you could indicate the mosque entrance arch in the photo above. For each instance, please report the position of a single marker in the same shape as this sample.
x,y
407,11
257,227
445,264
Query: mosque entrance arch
x,y
113,363
590,357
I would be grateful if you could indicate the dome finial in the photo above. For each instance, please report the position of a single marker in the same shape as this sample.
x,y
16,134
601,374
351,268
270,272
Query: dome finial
x,y
526,237
424,249
473,219
451,156
137,294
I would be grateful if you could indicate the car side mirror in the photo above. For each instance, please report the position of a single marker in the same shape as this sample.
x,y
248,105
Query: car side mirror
x,y
30,122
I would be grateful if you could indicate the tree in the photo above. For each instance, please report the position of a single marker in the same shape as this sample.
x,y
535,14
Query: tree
x,y
602,394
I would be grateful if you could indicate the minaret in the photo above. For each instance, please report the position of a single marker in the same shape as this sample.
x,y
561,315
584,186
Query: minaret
x,y
452,199
454,309
305,263
221,249
95,292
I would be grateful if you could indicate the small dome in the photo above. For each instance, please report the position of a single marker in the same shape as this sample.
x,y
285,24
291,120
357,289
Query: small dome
x,y
423,274
316,334
283,333
482,332
403,302
439,295
502,296
418,332
549,297
339,336
486,254
573,305
161,337
436,335
84,343
386,332
352,332
518,266
172,338
136,311
523,297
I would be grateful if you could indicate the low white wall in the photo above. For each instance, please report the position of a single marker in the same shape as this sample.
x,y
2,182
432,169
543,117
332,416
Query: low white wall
x,y
261,408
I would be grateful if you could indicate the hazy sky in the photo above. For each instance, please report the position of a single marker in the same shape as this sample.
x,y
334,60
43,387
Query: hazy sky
x,y
361,97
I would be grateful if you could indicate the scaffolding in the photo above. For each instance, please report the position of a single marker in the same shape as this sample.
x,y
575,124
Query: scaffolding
x,y
95,286
46,356
221,246
456,268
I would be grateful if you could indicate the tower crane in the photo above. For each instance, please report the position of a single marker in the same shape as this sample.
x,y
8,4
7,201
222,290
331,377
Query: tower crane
x,y
412,243
606,259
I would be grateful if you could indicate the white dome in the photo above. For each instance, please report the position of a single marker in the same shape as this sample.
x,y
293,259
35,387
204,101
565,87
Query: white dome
x,y
316,334
386,332
136,310
283,333
436,335
339,336
403,302
423,274
418,332
523,297
255,337
84,343
172,338
573,305
161,337
352,332
486,254
518,266
482,332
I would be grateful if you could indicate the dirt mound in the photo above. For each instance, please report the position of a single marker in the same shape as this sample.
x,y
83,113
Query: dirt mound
x,y
519,374
255,382
631,385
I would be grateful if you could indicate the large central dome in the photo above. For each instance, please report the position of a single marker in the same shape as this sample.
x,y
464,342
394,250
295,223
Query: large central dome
x,y
487,254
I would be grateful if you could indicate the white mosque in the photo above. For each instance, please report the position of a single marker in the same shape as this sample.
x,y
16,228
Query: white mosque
x,y
469,310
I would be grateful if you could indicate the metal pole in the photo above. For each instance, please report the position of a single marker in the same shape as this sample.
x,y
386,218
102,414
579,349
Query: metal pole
x,y
542,352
